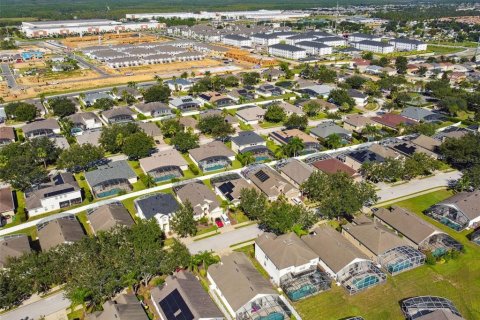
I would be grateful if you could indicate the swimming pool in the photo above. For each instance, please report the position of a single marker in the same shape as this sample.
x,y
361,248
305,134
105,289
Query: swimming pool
x,y
366,282
108,193
272,316
165,178
302,292
399,266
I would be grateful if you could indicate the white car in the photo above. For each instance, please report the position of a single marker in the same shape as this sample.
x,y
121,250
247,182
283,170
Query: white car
x,y
225,218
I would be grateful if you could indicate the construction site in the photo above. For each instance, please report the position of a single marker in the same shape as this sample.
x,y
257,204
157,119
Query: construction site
x,y
74,43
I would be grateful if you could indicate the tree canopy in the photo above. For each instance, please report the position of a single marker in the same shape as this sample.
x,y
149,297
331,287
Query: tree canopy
x,y
337,194
158,92
138,145
183,222
113,138
21,111
79,157
185,140
216,126
104,104
296,122
275,113
62,106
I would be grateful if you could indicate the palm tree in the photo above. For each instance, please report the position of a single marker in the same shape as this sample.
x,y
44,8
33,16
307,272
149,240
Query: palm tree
x,y
132,84
333,141
42,155
158,79
246,158
293,147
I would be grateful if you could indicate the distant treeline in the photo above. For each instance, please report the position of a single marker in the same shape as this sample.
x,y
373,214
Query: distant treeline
x,y
419,14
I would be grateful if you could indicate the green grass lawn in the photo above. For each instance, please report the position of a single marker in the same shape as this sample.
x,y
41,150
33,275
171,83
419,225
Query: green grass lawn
x,y
245,126
458,280
265,124
443,50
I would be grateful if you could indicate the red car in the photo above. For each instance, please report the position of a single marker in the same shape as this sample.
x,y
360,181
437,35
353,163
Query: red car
x,y
219,222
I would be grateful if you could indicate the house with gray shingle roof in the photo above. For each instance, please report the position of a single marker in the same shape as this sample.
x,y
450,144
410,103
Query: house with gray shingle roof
x,y
124,307
119,115
64,230
110,179
214,155
13,246
41,128
161,206
164,165
421,114
202,199
325,129
106,217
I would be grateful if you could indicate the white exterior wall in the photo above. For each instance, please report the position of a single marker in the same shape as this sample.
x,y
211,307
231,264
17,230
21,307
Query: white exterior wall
x,y
32,32
265,42
353,38
373,48
287,54
53,203
316,51
403,46
237,43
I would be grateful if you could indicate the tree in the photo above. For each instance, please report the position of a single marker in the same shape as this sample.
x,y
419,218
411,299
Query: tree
x,y
275,113
367,55
231,81
21,111
104,104
312,108
422,70
216,126
112,138
62,106
470,179
245,158
282,217
453,105
184,141
293,147
355,81
159,93
428,129
183,222
461,153
79,157
253,203
338,195
138,145
250,78
170,127
340,97
147,180
401,64
296,122
128,97
334,141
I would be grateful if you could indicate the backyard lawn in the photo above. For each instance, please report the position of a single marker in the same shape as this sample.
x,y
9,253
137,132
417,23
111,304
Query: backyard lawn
x,y
457,280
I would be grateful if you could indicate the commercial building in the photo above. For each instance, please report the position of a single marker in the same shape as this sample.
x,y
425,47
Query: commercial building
x,y
37,29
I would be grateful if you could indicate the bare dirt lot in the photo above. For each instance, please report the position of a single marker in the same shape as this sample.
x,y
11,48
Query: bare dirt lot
x,y
110,39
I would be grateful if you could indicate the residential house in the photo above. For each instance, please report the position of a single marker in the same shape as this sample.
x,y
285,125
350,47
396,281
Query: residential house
x,y
429,308
333,165
189,123
179,84
161,206
13,246
41,128
269,90
342,261
382,245
360,98
427,143
182,296
327,128
249,141
7,135
462,210
110,179
202,199
185,103
164,165
290,109
393,121
296,172
7,205
326,106
231,188
119,115
91,97
271,183
290,263
407,148
108,216
284,136
287,51
153,109
357,122
152,130
215,99
251,114
355,159
123,307
60,192
212,156
317,91
243,291
84,121
421,115
64,230
91,137
417,232
238,95
272,74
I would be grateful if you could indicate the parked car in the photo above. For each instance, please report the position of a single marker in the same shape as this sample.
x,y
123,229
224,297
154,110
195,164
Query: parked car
x,y
219,222
225,219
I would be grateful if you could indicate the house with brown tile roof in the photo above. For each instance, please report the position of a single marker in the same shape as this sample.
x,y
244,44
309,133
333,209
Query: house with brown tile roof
x,y
271,183
393,121
106,217
296,172
65,230
333,165
13,246
357,122
462,210
164,165
7,205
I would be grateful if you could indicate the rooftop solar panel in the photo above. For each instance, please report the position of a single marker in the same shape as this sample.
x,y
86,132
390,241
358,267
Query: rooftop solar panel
x,y
262,176
175,308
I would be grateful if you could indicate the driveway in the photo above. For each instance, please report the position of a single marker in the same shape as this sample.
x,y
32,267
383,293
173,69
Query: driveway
x,y
225,240
44,307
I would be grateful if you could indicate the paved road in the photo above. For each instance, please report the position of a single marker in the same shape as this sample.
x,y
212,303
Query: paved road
x,y
418,185
44,307
225,240
90,65
7,73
